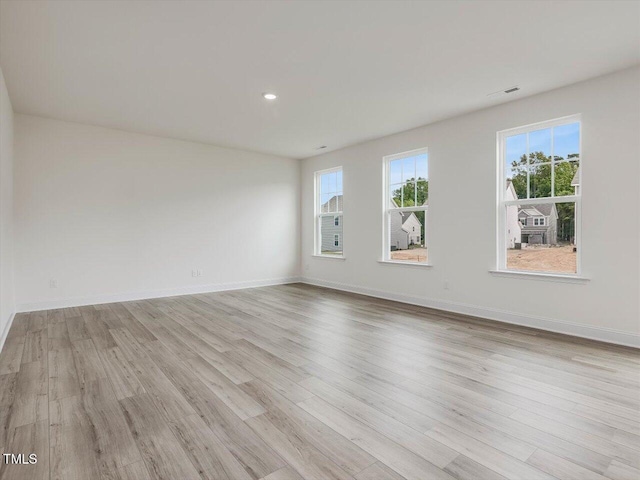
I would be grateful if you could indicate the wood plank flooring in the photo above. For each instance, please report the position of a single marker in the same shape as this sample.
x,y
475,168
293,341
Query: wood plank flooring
x,y
297,382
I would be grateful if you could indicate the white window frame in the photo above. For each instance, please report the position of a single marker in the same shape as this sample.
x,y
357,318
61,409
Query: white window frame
x,y
386,233
336,239
502,203
317,248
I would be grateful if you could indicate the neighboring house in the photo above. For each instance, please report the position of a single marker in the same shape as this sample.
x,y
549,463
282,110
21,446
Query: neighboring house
x,y
539,224
405,229
575,182
331,227
514,228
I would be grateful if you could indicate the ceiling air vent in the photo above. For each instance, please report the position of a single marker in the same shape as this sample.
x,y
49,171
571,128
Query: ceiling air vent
x,y
504,92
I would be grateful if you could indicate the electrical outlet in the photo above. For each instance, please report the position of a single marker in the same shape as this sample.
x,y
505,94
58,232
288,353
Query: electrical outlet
x,y
199,272
194,273
53,283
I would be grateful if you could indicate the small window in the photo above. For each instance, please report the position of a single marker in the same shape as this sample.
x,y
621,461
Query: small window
x,y
540,177
328,212
406,194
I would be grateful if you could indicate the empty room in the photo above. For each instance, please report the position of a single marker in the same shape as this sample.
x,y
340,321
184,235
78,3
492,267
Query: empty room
x,y
319,240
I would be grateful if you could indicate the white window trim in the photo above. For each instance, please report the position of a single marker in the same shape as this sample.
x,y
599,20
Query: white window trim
x,y
501,269
386,234
317,215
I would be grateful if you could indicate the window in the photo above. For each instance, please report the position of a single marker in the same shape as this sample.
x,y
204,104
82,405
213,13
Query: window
x,y
328,212
406,198
540,177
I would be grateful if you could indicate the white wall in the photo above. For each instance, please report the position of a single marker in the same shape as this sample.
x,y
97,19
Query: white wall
x,y
112,215
462,237
7,300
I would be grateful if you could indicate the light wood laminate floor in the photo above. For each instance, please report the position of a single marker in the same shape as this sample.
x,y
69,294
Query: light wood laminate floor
x,y
294,381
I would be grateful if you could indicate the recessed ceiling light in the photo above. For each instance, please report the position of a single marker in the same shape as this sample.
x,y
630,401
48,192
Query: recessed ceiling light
x,y
269,96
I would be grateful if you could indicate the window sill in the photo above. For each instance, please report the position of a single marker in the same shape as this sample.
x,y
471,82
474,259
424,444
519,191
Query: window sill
x,y
546,277
334,257
406,264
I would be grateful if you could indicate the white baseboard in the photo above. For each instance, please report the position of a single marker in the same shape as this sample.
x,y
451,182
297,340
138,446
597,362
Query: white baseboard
x,y
5,332
170,292
602,334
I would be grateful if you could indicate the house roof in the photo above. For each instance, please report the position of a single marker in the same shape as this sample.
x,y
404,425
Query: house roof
x,y
334,204
511,193
407,215
530,211
538,210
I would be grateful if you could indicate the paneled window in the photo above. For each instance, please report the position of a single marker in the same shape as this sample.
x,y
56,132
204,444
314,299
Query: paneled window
x,y
328,213
406,203
540,197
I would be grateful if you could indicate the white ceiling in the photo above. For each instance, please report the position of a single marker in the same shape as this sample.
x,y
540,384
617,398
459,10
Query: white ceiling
x,y
345,71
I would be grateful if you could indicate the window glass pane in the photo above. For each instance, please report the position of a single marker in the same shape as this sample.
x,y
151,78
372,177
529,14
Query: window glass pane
x,y
546,247
516,163
329,201
422,192
540,146
325,205
566,141
407,237
409,194
540,181
409,168
567,179
334,203
324,183
395,194
330,234
516,148
395,172
422,169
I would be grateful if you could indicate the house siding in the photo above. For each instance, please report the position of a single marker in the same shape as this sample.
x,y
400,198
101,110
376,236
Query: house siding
x,y
327,230
514,230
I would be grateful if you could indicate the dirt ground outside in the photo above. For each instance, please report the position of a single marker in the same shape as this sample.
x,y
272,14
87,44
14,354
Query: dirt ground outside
x,y
411,255
546,259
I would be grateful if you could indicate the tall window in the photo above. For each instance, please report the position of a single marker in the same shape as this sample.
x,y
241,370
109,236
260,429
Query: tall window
x,y
328,213
406,198
539,197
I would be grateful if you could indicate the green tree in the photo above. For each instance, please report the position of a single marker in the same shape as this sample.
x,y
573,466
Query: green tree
x,y
410,189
